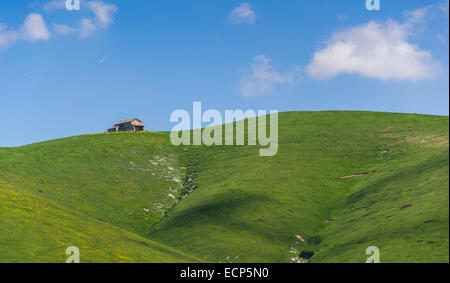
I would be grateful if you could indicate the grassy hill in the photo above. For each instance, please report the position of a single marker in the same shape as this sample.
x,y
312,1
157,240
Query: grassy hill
x,y
95,192
134,197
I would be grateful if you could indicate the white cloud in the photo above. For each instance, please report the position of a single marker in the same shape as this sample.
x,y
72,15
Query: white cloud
x,y
63,29
104,12
104,16
418,15
442,39
262,79
243,14
7,36
34,28
374,50
444,7
87,27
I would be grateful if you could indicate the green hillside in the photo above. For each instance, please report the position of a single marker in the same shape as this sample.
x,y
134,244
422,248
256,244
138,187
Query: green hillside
x,y
134,197
98,192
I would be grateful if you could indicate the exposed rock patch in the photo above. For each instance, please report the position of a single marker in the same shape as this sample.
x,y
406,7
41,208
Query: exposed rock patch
x,y
357,175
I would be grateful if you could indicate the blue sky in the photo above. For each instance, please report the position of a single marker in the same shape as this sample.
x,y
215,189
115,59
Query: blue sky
x,y
65,73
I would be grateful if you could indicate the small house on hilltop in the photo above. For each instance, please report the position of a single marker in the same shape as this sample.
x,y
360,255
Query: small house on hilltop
x,y
132,125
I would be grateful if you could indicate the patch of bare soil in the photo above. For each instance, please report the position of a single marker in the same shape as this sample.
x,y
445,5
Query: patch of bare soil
x,y
357,175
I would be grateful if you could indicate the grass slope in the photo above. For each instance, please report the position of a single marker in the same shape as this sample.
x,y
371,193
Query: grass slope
x,y
245,208
96,192
36,230
252,208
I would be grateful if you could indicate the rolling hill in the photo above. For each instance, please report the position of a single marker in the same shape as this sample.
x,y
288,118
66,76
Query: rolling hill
x,y
341,181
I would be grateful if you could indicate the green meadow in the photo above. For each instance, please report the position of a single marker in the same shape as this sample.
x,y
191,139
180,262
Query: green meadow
x,y
341,182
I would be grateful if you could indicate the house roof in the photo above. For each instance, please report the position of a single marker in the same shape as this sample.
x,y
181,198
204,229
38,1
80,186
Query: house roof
x,y
134,122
